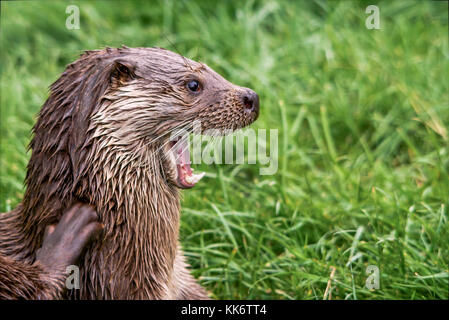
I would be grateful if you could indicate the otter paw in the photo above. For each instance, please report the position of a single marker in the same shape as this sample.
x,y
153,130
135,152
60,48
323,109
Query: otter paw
x,y
64,242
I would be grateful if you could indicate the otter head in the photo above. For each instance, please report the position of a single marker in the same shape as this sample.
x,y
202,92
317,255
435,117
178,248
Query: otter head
x,y
151,93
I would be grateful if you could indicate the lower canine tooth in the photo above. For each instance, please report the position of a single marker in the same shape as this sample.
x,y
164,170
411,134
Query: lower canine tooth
x,y
194,178
189,179
198,176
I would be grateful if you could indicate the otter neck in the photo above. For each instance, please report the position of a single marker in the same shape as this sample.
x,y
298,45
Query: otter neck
x,y
143,234
140,213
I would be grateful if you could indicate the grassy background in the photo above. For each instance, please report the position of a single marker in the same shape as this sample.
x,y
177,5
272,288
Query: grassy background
x,y
363,122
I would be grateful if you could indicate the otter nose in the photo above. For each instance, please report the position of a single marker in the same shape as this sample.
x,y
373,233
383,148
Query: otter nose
x,y
251,101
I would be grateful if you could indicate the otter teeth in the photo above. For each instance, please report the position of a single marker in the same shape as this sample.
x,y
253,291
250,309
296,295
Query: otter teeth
x,y
194,178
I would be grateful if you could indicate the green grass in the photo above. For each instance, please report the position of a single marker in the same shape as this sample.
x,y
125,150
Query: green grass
x,y
362,116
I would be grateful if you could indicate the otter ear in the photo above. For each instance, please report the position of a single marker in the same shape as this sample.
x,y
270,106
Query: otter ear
x,y
122,71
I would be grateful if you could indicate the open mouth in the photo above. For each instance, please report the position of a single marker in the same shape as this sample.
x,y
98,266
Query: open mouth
x,y
180,156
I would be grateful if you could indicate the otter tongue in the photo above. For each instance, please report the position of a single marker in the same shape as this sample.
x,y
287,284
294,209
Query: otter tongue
x,y
185,172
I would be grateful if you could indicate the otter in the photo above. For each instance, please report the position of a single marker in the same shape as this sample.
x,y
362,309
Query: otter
x,y
103,137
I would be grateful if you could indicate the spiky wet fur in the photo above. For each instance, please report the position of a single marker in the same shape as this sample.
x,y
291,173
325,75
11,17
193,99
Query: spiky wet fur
x,y
98,140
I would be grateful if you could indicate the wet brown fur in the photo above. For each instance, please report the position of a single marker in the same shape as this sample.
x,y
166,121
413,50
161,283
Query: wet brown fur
x,y
98,139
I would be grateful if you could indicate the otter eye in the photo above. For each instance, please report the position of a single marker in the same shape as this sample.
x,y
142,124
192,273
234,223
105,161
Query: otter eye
x,y
193,85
